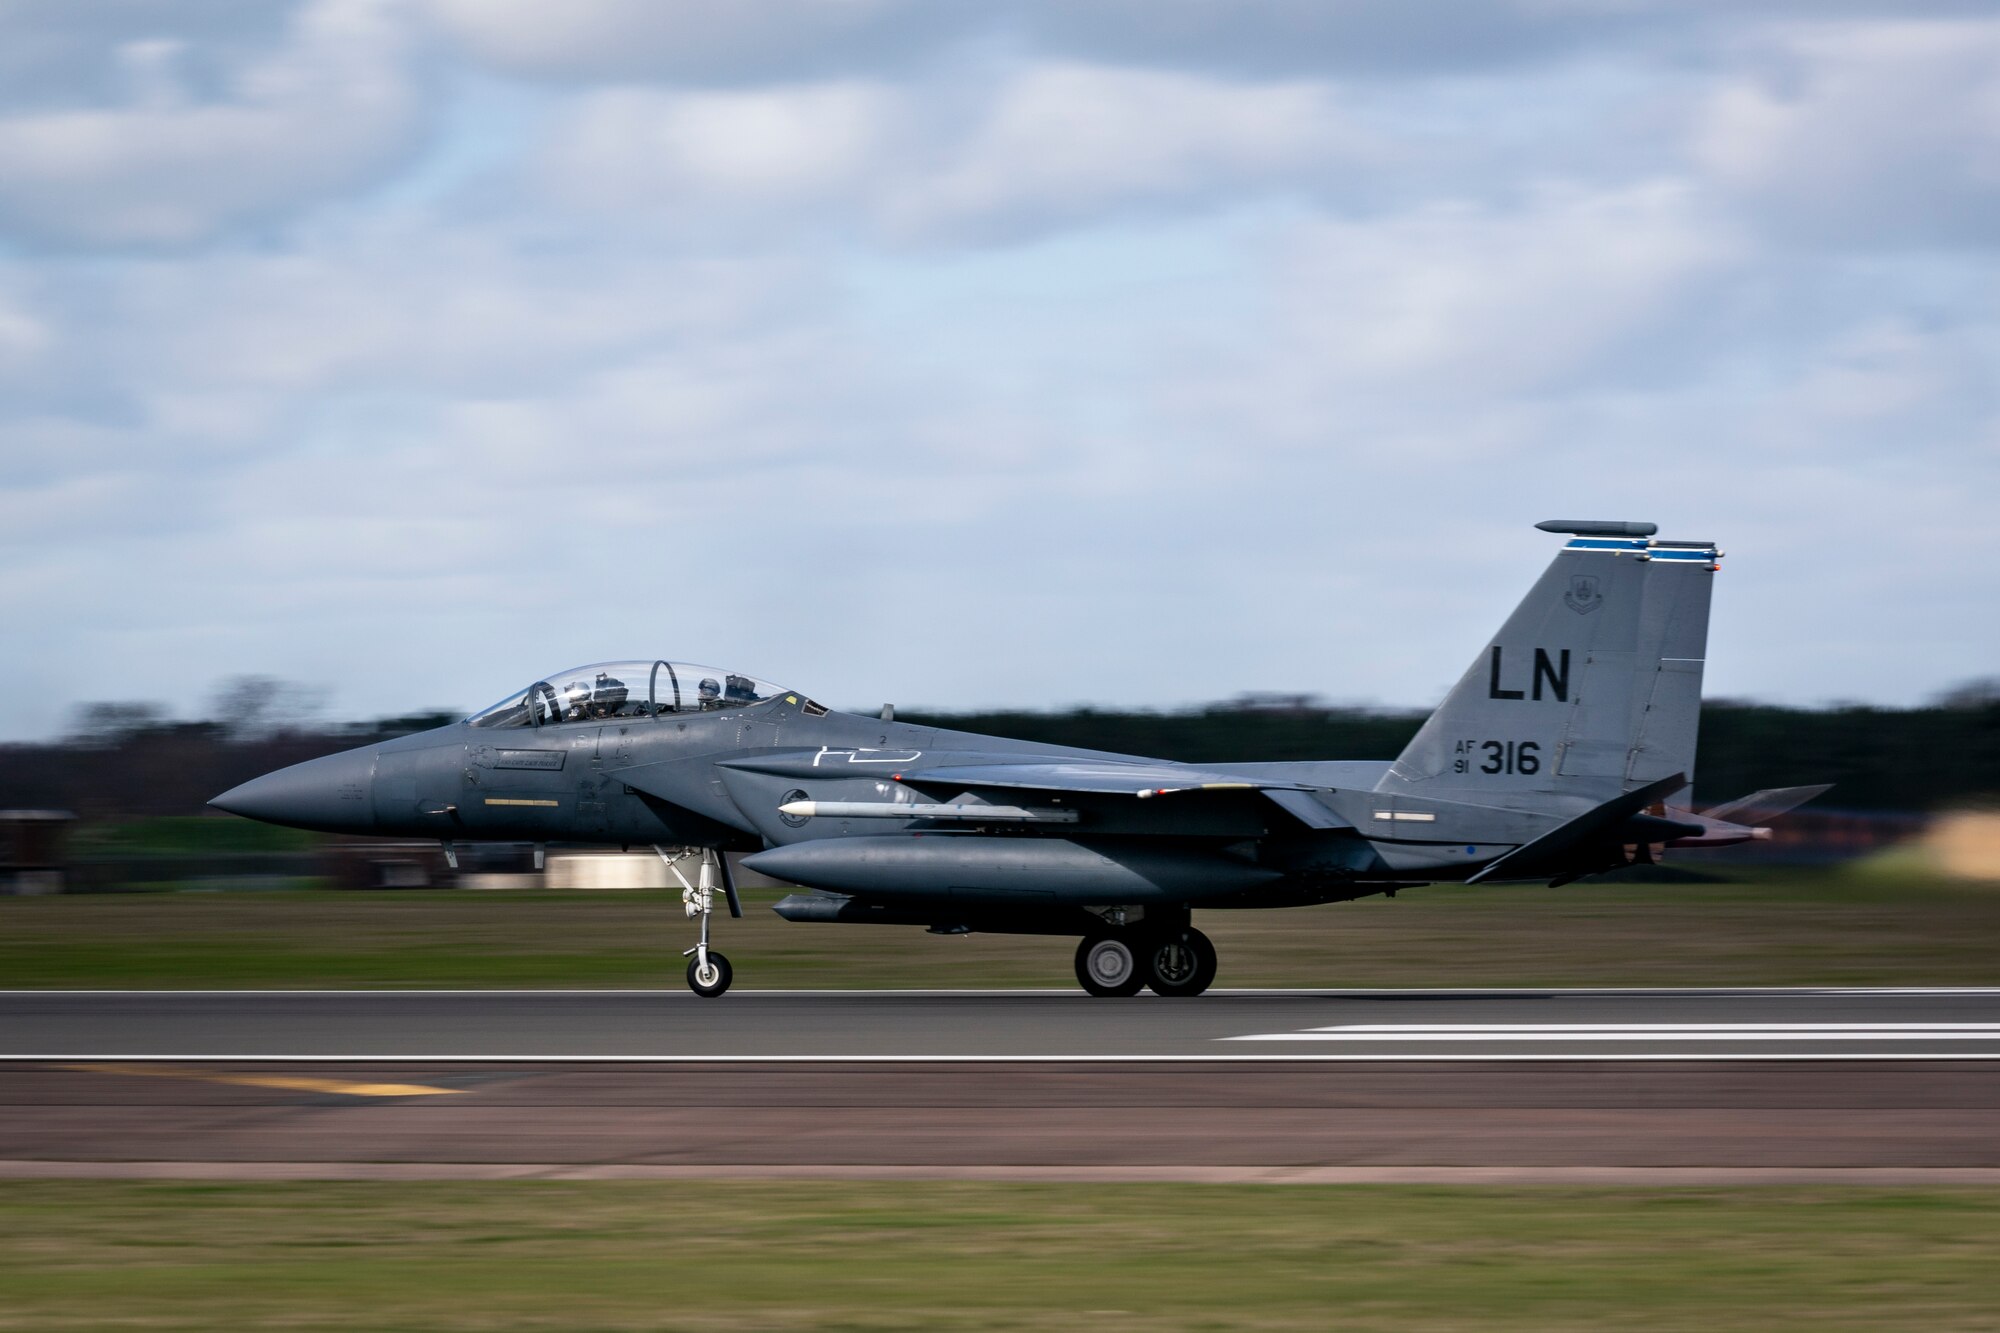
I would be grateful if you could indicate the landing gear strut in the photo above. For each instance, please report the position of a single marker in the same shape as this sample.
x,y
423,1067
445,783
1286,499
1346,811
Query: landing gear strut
x,y
708,972
1179,961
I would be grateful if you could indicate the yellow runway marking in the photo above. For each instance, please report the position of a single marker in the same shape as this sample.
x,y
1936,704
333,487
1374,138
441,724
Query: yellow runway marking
x,y
284,1081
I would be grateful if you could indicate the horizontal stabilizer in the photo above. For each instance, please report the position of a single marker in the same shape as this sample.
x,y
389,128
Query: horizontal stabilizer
x,y
1760,806
1652,828
1549,854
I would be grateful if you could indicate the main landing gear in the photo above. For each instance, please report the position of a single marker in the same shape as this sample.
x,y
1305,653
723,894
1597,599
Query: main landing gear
x,y
1179,961
708,972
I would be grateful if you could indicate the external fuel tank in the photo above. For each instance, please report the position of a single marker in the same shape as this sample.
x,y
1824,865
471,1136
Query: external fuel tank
x,y
1018,870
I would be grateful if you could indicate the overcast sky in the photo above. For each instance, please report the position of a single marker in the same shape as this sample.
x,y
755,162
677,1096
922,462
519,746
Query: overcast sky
x,y
956,354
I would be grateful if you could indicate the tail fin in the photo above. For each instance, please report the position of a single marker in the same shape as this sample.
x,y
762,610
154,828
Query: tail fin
x,y
1593,686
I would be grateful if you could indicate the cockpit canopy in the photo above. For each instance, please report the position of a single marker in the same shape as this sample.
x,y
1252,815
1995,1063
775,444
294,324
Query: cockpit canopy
x,y
624,689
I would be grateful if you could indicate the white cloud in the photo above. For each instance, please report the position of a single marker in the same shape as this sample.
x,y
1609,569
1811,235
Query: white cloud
x,y
326,112
1494,298
699,41
720,42
1877,133
1169,349
682,154
1071,142
57,53
409,306
1041,146
1887,387
1433,327
21,337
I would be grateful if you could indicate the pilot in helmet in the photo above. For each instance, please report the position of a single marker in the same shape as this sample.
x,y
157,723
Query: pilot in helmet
x,y
710,691
576,696
607,696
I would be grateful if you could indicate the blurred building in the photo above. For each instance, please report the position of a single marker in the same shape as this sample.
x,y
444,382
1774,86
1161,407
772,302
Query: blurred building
x,y
1809,836
1966,844
32,856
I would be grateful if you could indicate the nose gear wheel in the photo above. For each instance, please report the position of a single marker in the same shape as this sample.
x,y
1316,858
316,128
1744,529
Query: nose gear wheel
x,y
709,978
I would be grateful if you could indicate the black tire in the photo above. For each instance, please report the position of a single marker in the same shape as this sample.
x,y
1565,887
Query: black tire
x,y
716,982
1180,963
1108,965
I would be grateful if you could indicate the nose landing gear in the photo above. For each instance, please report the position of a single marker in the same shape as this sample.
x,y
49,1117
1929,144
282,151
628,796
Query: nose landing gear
x,y
708,972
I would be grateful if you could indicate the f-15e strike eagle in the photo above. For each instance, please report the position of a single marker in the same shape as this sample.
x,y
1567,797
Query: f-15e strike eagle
x,y
1565,750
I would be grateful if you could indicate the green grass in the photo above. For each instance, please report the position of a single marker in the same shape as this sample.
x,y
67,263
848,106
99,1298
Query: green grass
x,y
186,835
741,1255
1775,929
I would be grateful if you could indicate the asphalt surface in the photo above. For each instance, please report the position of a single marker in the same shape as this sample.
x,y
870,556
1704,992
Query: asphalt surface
x,y
1436,1025
1606,1087
1905,1122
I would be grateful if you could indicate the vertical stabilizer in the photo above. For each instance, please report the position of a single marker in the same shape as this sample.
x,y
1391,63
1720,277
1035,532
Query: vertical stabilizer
x,y
1593,686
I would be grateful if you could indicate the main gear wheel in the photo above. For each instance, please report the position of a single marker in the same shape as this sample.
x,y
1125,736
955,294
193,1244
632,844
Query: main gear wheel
x,y
1179,963
1109,965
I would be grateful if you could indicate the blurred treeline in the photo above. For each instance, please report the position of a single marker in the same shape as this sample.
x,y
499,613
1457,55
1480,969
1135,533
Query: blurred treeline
x,y
125,760
1905,759
133,760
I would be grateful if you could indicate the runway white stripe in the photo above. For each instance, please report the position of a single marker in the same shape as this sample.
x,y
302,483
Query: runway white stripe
x,y
1657,1027
1071,992
1501,1056
1523,1033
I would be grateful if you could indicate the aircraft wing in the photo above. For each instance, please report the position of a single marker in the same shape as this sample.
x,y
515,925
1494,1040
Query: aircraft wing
x,y
1110,779
951,774
962,769
1140,781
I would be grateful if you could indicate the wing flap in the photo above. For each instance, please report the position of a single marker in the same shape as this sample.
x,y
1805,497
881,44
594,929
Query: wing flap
x,y
1302,807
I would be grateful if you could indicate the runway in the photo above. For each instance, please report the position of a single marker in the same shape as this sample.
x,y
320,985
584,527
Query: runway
x,y
1657,1087
1431,1025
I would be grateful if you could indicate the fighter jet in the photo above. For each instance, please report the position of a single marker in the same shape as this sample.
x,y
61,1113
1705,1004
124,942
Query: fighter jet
x,y
1566,749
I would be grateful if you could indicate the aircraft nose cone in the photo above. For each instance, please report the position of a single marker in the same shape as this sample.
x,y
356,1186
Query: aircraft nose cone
x,y
332,795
